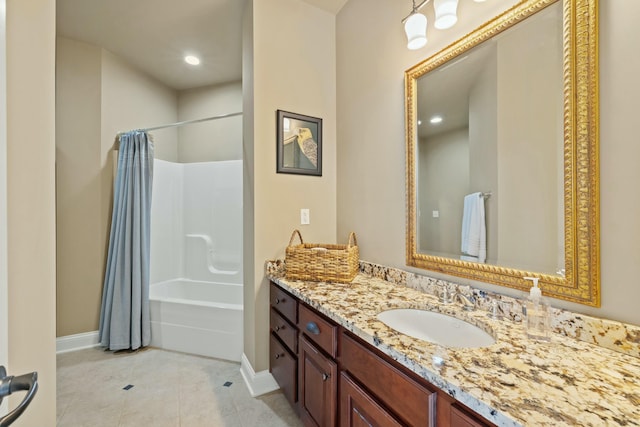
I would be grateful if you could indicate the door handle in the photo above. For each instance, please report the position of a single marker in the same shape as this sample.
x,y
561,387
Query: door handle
x,y
10,384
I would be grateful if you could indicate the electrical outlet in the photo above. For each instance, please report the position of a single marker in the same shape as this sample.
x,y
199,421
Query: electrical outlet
x,y
304,216
436,214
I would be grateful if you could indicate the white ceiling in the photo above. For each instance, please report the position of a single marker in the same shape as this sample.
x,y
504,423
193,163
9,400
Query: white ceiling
x,y
154,35
332,6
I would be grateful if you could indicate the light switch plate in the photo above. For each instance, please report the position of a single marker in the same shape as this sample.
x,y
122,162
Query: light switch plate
x,y
304,217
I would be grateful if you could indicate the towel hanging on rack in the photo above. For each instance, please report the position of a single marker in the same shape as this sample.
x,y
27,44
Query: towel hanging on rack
x,y
474,232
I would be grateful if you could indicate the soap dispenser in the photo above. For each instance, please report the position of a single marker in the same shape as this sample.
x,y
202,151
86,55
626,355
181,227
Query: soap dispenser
x,y
537,315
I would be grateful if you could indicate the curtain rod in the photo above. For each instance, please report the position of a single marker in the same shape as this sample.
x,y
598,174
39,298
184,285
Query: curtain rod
x,y
186,122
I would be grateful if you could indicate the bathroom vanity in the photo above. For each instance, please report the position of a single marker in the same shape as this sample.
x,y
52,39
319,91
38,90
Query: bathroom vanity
x,y
355,386
339,365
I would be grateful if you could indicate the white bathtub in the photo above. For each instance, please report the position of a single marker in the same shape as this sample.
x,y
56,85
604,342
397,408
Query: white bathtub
x,y
197,317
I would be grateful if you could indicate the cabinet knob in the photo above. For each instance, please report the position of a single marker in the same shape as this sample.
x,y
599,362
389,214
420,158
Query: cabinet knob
x,y
279,355
279,300
278,328
313,328
325,377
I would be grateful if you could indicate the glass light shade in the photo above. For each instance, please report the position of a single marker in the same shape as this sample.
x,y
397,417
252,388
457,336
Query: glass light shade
x,y
416,29
446,16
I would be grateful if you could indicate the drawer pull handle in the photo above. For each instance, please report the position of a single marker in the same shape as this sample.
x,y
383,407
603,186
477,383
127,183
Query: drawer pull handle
x,y
277,300
278,328
279,355
313,328
325,377
280,300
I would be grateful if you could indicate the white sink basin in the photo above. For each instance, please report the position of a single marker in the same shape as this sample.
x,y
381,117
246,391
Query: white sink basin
x,y
436,327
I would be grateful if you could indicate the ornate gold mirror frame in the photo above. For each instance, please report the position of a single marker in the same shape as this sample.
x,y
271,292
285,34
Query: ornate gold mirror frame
x,y
581,283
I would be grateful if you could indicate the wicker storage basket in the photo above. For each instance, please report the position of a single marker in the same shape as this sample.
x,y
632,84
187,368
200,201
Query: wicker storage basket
x,y
322,263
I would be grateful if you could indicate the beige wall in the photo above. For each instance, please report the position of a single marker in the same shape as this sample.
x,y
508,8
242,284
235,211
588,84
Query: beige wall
x,y
4,303
79,237
213,140
251,285
31,201
293,69
98,95
619,152
133,100
371,60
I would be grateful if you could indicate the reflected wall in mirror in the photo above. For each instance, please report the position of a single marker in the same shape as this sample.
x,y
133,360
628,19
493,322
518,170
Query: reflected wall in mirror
x,y
502,152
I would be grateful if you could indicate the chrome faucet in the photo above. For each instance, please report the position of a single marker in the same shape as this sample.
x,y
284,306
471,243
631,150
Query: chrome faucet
x,y
468,302
448,297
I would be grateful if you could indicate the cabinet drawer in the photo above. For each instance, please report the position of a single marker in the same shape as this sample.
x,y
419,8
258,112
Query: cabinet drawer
x,y
411,401
285,331
284,368
358,408
285,303
321,331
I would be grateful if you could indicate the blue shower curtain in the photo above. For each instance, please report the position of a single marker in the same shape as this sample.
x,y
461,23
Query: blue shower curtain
x,y
124,318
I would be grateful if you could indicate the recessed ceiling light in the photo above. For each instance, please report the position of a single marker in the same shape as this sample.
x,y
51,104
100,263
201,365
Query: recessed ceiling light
x,y
192,60
435,120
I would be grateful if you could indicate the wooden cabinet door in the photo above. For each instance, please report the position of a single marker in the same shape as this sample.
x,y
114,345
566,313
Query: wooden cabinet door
x,y
318,382
283,367
359,409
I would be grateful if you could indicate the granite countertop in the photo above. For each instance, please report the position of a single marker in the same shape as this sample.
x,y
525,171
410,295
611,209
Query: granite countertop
x,y
514,382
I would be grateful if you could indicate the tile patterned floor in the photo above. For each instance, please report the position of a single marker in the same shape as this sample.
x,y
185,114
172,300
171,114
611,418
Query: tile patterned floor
x,y
169,389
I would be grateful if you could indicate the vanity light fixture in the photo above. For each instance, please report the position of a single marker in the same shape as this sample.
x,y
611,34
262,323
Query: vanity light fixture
x,y
446,16
435,120
415,24
192,60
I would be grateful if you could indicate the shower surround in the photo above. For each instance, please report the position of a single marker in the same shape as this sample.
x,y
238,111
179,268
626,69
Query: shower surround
x,y
196,258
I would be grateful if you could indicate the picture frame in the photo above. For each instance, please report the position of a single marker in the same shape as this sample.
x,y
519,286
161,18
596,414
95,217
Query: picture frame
x,y
299,144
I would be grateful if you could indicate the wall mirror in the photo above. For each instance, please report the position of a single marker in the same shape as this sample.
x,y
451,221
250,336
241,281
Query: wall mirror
x,y
502,152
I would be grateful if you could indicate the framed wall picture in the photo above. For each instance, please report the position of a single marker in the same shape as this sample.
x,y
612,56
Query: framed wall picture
x,y
299,144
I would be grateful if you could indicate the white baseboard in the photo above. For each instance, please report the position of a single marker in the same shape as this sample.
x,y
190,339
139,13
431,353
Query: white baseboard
x,y
258,383
76,342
